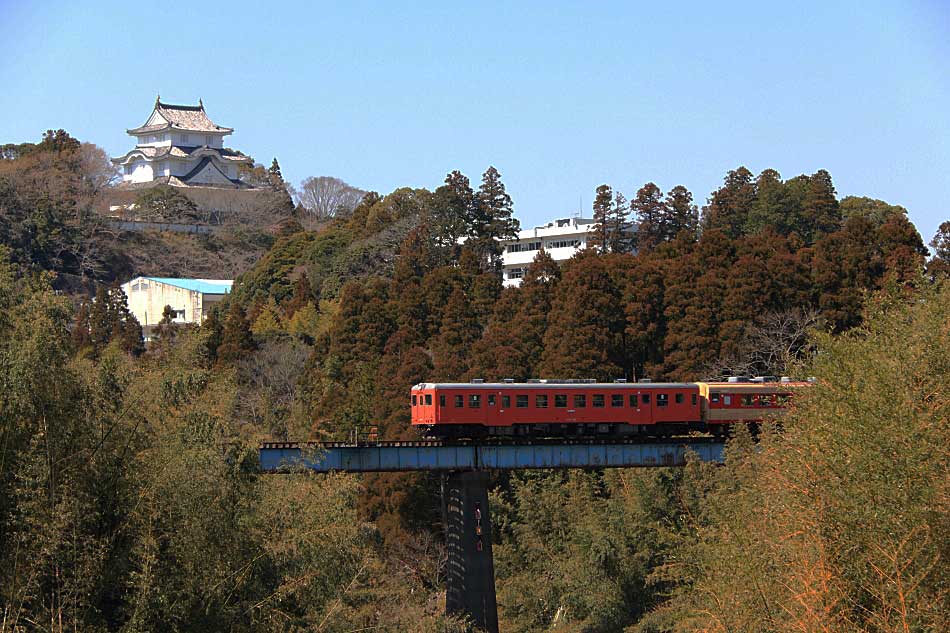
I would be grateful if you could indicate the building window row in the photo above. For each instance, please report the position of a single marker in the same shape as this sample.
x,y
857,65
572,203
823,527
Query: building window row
x,y
520,247
565,243
515,273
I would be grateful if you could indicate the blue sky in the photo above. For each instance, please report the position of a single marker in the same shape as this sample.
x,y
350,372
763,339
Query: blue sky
x,y
560,97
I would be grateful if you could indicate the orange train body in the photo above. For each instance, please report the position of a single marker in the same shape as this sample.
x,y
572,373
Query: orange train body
x,y
584,408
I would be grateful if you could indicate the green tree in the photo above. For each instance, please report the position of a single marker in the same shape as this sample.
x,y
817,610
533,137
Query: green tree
x,y
236,337
693,305
453,212
109,319
877,211
820,212
837,522
772,207
166,204
940,263
302,296
513,340
730,206
600,235
585,329
621,231
642,282
268,321
456,337
493,220
680,213
651,211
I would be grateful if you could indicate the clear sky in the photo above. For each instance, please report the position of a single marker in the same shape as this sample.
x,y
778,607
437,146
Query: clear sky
x,y
560,97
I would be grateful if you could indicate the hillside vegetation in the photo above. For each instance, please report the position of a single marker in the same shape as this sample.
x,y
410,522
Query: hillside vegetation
x,y
129,497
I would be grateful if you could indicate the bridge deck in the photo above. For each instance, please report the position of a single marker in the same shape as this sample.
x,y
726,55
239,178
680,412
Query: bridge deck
x,y
435,456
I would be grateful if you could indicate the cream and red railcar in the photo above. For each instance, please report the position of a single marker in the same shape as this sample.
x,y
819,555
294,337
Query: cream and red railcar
x,y
481,409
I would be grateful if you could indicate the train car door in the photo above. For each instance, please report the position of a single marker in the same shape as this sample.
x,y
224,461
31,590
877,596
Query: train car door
x,y
645,412
492,402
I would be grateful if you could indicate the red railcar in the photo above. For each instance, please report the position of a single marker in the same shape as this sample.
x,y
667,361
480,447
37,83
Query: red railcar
x,y
565,409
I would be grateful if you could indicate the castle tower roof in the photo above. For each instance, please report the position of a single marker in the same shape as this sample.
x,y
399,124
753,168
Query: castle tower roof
x,y
190,118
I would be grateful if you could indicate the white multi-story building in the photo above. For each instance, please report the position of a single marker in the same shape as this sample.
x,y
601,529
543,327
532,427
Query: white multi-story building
x,y
179,145
561,239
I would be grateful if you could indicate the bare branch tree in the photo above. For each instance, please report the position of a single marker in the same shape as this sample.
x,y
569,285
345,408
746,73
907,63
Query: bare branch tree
x,y
770,347
326,197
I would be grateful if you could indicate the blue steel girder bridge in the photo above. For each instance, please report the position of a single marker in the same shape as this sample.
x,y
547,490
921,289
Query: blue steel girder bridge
x,y
470,577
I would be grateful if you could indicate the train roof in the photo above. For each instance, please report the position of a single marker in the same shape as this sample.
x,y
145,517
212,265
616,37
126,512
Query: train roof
x,y
556,385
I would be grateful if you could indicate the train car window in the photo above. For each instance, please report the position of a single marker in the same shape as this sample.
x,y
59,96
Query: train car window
x,y
679,398
459,402
747,400
597,400
521,401
541,402
506,402
428,398
442,400
783,399
633,400
560,400
616,399
475,401
580,401
413,401
645,398
727,400
714,397
765,400
491,399
662,399
694,399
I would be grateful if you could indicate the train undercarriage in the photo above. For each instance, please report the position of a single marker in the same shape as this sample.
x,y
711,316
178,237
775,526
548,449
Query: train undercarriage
x,y
569,430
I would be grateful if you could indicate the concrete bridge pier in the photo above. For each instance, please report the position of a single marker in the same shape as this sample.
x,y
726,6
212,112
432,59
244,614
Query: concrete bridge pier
x,y
470,581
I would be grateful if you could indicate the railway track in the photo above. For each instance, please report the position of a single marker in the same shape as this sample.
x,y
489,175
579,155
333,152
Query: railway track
x,y
493,442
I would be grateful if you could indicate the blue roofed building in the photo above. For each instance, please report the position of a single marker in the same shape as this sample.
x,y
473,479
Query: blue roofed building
x,y
191,299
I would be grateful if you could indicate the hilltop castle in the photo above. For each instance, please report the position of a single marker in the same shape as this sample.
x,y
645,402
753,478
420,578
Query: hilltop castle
x,y
179,145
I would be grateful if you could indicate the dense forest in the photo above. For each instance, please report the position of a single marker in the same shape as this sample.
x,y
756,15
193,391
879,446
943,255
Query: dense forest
x,y
130,499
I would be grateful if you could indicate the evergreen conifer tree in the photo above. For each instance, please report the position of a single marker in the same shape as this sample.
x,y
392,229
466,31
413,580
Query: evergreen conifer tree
x,y
599,239
268,320
730,205
820,210
772,207
584,334
100,323
453,212
680,214
215,333
620,239
493,220
940,263
236,337
456,337
651,212
303,294
80,333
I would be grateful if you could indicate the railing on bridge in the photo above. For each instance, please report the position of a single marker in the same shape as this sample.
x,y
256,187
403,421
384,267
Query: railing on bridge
x,y
439,456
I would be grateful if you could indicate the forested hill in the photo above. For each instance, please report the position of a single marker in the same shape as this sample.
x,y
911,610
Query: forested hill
x,y
130,501
55,199
387,297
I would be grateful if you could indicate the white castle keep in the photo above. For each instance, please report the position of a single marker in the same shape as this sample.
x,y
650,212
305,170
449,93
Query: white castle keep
x,y
180,146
